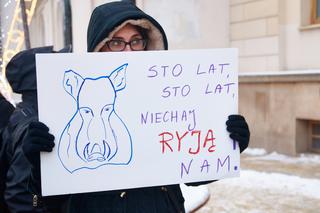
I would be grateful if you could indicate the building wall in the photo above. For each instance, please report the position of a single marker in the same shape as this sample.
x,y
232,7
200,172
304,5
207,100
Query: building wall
x,y
191,24
46,27
254,29
188,24
80,19
272,35
278,109
300,41
279,71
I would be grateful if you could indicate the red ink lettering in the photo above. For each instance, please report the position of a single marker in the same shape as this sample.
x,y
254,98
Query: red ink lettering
x,y
164,141
209,139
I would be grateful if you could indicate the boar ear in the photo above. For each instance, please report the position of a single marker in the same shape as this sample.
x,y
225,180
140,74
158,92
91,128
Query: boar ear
x,y
72,82
118,77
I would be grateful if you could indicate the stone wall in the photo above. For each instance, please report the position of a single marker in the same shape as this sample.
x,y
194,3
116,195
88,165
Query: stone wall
x,y
254,29
278,109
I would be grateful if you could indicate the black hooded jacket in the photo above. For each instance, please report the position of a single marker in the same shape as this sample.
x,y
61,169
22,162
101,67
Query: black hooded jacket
x,y
6,110
15,171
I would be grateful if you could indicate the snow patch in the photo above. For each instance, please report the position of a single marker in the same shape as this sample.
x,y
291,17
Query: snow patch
x,y
276,181
194,196
302,158
255,151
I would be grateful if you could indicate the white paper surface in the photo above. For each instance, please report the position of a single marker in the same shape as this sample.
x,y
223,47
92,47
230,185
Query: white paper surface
x,y
135,119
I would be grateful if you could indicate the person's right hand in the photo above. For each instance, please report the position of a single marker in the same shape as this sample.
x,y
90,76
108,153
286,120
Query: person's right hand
x,y
37,139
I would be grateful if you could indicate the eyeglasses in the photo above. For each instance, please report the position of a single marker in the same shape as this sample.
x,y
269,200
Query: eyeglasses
x,y
119,45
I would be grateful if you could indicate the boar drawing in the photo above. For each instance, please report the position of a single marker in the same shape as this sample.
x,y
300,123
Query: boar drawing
x,y
95,135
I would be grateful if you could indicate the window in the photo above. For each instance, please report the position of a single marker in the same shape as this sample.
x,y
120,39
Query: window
x,y
314,141
315,12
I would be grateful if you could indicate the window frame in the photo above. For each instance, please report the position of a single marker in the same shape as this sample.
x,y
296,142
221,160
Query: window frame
x,y
315,18
312,135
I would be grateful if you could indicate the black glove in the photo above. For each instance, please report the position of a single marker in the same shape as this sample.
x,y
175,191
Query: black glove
x,y
37,139
239,130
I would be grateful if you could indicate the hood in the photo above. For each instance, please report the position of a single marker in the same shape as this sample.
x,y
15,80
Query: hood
x,y
109,18
21,70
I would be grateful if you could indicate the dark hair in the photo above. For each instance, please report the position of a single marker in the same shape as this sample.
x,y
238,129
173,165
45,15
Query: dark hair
x,y
143,32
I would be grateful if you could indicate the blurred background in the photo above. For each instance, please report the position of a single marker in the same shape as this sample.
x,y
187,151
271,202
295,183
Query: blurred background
x,y
279,76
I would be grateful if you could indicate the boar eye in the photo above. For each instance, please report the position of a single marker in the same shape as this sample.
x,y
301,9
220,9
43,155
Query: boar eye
x,y
86,110
107,108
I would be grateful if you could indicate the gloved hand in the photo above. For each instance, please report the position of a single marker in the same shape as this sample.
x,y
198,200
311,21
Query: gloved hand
x,y
37,139
239,130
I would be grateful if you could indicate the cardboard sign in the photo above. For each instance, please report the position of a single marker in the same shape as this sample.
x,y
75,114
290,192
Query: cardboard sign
x,y
135,119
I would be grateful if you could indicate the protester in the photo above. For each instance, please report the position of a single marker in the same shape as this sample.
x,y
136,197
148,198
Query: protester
x,y
6,109
21,75
119,26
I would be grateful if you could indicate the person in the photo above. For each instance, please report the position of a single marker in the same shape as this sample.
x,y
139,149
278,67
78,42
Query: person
x,y
6,109
15,171
121,26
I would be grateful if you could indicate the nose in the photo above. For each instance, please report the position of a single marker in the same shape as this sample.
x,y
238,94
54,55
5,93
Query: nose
x,y
127,48
96,131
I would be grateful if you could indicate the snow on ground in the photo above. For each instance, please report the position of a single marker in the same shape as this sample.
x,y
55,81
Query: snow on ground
x,y
277,181
300,190
255,151
292,183
261,181
194,196
301,158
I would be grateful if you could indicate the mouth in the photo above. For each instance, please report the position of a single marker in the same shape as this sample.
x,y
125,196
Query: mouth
x,y
97,152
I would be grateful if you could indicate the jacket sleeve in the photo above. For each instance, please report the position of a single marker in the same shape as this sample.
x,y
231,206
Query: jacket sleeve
x,y
16,193
6,109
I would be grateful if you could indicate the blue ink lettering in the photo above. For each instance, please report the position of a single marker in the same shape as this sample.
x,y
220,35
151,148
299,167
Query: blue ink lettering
x,y
174,116
219,164
154,71
222,66
206,165
228,85
218,88
179,71
183,168
211,69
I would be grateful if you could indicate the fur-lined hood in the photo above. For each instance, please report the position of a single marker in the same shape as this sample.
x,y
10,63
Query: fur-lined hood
x,y
108,18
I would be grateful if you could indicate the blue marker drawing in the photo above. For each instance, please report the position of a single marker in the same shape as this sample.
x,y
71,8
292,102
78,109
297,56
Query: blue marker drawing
x,y
95,135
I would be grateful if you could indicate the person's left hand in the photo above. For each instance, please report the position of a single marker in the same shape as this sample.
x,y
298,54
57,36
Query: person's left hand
x,y
239,130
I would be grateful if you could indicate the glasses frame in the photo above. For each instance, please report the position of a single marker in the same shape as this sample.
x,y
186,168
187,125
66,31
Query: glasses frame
x,y
144,41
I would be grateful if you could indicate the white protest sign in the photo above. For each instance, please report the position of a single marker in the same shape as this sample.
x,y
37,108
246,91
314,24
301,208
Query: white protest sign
x,y
136,119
